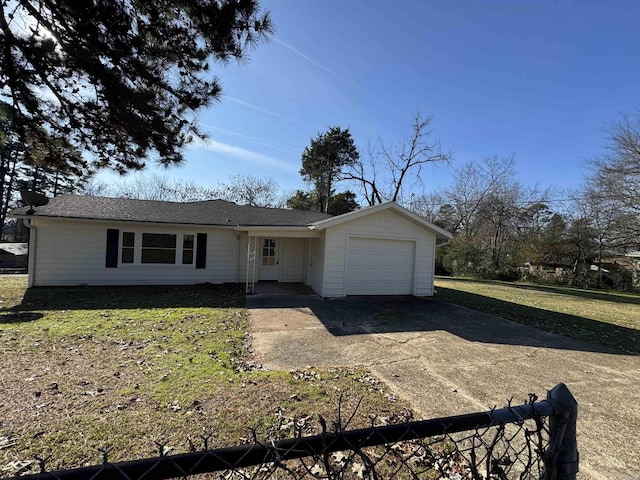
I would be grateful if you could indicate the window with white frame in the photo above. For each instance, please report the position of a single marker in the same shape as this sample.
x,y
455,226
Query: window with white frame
x,y
159,248
128,247
156,248
188,243
135,248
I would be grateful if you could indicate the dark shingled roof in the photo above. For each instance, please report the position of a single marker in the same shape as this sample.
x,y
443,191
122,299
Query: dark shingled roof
x,y
211,212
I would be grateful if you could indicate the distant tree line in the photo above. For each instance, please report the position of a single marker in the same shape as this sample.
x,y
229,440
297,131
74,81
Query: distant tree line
x,y
241,189
503,230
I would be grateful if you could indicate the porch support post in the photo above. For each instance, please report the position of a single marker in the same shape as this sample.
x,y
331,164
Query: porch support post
x,y
246,290
255,256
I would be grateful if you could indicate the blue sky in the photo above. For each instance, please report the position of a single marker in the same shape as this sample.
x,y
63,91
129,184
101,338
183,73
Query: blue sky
x,y
539,80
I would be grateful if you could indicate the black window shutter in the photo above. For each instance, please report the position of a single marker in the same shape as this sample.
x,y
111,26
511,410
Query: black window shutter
x,y
201,251
113,235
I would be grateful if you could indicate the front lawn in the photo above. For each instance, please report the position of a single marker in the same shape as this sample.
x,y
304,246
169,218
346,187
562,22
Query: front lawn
x,y
87,368
604,318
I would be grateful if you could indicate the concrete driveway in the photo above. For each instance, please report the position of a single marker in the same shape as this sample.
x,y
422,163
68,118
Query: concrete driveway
x,y
448,360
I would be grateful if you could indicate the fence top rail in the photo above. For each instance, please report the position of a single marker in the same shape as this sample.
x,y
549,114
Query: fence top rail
x,y
193,463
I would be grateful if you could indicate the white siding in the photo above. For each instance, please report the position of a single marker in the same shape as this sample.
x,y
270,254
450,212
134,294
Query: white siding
x,y
385,224
73,253
316,265
306,260
291,258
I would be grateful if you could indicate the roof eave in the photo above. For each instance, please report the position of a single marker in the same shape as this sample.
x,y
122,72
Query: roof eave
x,y
347,217
283,231
131,221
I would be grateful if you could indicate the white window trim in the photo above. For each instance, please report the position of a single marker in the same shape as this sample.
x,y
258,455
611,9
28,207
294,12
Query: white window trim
x,y
180,248
137,249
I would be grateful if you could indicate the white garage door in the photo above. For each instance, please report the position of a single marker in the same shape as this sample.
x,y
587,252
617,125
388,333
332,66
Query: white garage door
x,y
380,266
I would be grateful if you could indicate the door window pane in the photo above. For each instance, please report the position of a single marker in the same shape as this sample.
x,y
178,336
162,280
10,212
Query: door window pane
x,y
268,252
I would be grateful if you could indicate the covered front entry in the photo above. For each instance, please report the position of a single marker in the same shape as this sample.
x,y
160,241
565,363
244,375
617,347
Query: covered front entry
x,y
280,256
378,266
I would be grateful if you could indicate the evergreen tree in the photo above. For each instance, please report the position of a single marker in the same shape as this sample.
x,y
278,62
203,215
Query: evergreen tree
x,y
324,159
119,80
302,200
344,202
50,168
12,153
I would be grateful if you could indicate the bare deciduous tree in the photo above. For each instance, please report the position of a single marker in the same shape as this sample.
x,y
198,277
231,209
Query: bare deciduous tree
x,y
485,205
428,205
241,189
159,187
390,169
620,168
472,185
251,190
616,177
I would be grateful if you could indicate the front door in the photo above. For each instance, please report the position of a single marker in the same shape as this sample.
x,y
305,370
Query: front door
x,y
269,259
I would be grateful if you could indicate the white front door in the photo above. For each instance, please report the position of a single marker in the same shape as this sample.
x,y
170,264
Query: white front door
x,y
269,259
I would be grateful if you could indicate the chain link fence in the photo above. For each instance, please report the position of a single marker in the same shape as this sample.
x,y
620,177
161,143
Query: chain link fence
x,y
536,440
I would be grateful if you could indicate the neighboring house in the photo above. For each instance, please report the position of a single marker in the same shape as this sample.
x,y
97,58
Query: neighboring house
x,y
82,240
633,259
13,255
621,270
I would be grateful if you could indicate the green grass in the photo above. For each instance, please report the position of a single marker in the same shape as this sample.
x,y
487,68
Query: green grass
x,y
87,368
609,319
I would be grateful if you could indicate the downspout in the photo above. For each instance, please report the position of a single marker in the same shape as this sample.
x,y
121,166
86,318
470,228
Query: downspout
x,y
31,262
246,287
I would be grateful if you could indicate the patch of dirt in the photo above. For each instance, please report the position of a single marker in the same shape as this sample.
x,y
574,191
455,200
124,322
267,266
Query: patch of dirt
x,y
41,392
162,379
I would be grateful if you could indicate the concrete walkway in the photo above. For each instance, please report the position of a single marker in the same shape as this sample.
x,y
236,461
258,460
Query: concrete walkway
x,y
448,360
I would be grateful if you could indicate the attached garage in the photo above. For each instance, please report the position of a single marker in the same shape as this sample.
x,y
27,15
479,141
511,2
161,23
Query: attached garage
x,y
379,266
380,250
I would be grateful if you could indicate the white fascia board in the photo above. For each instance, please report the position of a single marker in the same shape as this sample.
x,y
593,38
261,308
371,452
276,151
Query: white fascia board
x,y
280,232
347,217
363,212
138,223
